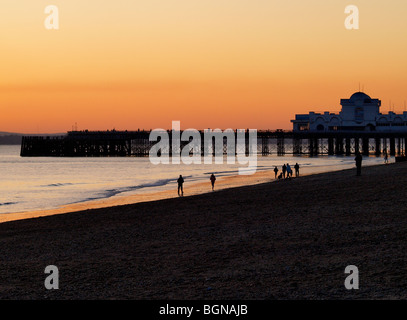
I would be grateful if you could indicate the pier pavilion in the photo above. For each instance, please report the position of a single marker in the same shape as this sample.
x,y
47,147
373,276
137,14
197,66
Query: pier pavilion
x,y
359,113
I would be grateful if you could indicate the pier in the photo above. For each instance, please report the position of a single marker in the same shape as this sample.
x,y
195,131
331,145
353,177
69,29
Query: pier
x,y
136,143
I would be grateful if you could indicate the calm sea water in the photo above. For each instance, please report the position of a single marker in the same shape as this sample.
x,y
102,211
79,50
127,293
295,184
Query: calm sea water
x,y
45,183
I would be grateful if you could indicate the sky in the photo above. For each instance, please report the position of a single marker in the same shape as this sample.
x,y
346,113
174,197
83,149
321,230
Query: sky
x,y
130,64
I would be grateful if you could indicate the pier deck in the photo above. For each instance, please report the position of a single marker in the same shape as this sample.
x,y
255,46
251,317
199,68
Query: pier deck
x,y
136,143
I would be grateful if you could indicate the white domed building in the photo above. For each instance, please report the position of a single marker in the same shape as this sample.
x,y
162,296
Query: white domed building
x,y
359,113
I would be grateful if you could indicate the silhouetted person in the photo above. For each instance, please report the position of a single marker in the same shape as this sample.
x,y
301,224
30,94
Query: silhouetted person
x,y
297,169
180,185
275,172
284,169
386,157
358,160
213,179
289,172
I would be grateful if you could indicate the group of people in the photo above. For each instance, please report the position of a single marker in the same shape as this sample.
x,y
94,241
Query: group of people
x,y
181,184
286,171
285,174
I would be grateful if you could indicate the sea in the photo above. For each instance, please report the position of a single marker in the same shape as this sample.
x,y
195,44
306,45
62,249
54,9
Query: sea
x,y
40,183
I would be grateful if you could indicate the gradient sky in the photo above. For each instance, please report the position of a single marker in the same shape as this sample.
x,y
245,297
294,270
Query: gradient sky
x,y
129,64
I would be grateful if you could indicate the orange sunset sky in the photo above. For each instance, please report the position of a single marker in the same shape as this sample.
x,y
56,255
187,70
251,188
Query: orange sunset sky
x,y
129,64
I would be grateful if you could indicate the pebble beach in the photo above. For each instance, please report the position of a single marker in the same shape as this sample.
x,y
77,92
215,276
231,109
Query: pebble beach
x,y
280,240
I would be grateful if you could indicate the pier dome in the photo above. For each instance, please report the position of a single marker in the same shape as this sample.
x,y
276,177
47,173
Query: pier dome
x,y
360,96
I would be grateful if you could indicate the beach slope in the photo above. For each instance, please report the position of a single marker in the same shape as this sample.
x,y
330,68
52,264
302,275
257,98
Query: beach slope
x,y
283,240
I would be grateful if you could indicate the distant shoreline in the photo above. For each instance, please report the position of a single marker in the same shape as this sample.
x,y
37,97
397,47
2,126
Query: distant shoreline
x,y
195,188
12,139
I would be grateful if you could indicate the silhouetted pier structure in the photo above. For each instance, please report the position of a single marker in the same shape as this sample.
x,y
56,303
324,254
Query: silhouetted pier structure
x,y
349,143
136,143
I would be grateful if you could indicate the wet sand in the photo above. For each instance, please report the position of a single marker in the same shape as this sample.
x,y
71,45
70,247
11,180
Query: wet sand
x,y
281,240
189,190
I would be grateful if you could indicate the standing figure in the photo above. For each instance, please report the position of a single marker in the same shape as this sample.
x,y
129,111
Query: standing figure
x,y
386,157
358,160
297,169
180,185
284,170
275,172
289,171
213,179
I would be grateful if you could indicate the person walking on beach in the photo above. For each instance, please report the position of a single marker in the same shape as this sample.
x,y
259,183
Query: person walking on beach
x,y
386,157
275,172
284,170
213,179
180,185
289,171
297,169
358,160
